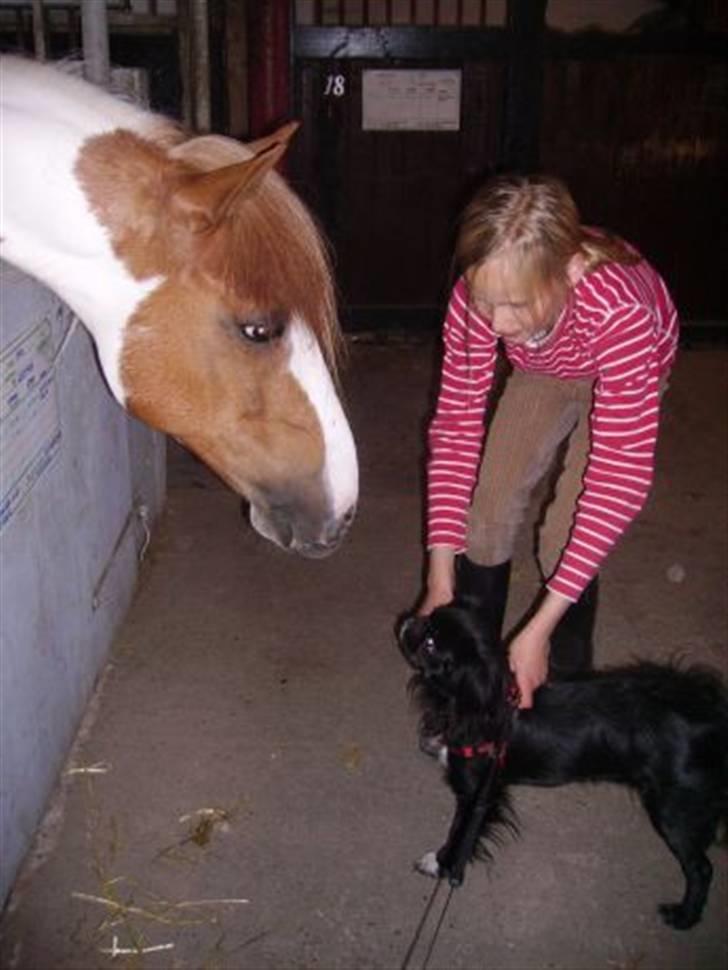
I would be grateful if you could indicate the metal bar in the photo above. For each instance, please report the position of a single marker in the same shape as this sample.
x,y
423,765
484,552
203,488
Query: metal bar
x,y
417,43
19,29
95,31
74,31
454,43
39,32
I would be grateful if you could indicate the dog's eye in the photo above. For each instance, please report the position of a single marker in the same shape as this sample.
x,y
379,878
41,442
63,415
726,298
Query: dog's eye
x,y
429,645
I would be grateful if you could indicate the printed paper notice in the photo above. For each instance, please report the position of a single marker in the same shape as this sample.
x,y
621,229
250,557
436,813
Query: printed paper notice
x,y
411,100
30,431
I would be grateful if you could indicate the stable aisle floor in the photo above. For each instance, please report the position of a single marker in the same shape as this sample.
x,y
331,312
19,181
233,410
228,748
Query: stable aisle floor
x,y
258,798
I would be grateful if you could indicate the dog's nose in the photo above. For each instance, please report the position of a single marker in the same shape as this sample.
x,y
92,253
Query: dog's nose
x,y
403,625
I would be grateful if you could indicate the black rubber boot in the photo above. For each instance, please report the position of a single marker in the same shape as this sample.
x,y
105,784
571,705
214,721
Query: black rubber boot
x,y
486,588
572,642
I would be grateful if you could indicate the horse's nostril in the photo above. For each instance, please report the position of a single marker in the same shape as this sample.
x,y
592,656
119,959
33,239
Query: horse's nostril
x,y
344,524
316,550
332,538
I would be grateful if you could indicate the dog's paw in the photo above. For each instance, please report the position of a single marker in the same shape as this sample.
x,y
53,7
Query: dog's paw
x,y
677,916
450,869
428,865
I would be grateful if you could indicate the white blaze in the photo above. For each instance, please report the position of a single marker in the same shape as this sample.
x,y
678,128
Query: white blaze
x,y
341,473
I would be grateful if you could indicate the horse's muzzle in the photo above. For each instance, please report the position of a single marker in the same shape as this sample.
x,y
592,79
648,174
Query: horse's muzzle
x,y
295,531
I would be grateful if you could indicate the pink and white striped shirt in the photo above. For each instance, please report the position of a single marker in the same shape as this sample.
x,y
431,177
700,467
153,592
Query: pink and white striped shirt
x,y
620,328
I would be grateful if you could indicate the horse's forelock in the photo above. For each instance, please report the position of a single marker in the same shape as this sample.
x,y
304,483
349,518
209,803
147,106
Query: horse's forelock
x,y
269,251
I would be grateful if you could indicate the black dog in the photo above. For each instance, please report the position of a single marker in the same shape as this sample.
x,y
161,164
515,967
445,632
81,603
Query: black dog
x,y
661,730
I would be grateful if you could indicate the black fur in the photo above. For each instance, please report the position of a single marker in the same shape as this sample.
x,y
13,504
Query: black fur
x,y
657,728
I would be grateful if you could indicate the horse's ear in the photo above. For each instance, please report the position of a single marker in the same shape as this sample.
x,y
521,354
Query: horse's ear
x,y
283,134
202,201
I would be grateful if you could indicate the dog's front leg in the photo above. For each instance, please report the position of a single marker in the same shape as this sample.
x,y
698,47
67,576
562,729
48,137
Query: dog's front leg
x,y
443,862
471,781
461,844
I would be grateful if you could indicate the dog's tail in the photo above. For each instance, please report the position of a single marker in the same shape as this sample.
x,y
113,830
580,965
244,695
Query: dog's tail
x,y
706,706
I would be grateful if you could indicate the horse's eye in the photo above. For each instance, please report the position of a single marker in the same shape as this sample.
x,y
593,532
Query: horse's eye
x,y
257,333
263,329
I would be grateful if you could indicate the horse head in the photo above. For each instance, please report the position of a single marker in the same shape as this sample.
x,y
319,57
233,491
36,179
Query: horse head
x,y
231,352
205,284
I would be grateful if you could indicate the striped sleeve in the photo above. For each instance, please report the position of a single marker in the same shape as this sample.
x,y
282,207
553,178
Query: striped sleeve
x,y
456,431
623,429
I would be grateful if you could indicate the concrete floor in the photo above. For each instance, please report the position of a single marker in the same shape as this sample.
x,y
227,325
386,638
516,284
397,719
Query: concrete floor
x,y
259,798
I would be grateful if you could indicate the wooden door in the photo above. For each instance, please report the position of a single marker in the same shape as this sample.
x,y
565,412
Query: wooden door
x,y
389,200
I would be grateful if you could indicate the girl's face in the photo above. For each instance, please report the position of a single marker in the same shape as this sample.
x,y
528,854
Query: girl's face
x,y
515,313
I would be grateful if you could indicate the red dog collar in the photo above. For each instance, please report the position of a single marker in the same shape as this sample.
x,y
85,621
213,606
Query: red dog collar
x,y
484,749
491,749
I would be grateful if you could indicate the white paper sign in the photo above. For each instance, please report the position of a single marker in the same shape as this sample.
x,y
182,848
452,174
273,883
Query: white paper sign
x,y
411,100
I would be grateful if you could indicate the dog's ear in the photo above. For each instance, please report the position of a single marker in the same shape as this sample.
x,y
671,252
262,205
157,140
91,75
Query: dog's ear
x,y
482,684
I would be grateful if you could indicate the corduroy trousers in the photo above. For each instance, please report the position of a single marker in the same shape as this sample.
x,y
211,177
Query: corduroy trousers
x,y
537,422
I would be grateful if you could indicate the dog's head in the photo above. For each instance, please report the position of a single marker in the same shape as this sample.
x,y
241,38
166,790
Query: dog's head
x,y
455,663
440,644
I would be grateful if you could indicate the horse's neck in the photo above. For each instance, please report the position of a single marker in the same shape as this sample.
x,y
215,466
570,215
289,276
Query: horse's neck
x,y
48,229
53,93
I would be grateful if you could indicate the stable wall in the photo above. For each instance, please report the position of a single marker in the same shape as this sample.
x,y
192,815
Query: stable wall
x,y
80,482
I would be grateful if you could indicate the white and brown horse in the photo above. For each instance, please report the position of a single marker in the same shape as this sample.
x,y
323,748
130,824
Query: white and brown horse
x,y
203,282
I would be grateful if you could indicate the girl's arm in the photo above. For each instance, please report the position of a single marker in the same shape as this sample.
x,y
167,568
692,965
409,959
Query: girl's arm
x,y
623,433
455,435
440,588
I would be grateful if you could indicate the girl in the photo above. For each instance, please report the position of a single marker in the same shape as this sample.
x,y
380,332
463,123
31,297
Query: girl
x,y
591,333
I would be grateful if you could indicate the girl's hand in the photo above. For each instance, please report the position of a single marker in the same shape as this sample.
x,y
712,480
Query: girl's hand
x,y
529,650
434,598
529,660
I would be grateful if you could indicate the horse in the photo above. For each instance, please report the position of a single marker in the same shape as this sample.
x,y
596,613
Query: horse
x,y
204,282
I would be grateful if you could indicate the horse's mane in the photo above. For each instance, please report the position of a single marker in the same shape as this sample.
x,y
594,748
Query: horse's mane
x,y
273,246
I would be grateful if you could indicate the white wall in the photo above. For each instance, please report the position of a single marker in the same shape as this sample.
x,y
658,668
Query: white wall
x,y
75,471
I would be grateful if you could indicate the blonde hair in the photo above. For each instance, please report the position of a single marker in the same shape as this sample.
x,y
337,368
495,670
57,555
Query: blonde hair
x,y
535,220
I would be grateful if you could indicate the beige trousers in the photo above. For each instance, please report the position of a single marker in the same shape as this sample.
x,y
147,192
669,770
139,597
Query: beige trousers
x,y
533,418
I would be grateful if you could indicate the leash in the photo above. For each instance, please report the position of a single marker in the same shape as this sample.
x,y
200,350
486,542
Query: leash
x,y
421,925
438,927
473,828
496,751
